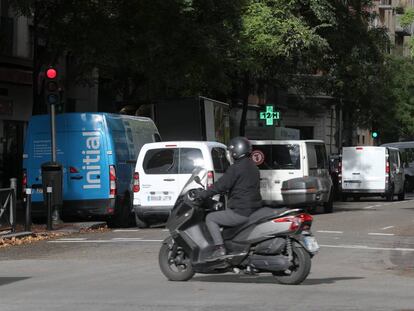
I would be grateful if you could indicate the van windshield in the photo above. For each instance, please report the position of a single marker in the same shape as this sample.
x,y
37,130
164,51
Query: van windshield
x,y
277,157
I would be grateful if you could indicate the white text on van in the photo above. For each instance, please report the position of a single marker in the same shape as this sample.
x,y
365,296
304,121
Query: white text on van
x,y
91,159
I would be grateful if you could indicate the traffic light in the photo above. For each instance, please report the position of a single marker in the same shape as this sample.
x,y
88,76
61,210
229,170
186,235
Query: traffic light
x,y
51,86
374,134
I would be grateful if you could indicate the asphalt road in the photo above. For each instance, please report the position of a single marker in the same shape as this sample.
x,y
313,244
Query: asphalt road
x,y
366,262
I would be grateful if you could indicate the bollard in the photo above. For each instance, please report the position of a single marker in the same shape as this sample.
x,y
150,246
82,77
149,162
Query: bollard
x,y
13,218
13,184
28,223
13,221
49,208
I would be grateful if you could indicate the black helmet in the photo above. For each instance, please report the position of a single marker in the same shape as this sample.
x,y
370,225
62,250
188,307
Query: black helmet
x,y
239,147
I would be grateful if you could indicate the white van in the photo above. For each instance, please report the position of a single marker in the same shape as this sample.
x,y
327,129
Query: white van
x,y
163,168
283,160
371,171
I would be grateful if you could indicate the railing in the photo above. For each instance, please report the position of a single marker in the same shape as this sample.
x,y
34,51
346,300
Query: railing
x,y
8,210
406,31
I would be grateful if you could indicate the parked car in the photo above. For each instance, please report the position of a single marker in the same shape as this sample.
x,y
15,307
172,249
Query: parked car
x,y
163,168
284,160
98,152
371,171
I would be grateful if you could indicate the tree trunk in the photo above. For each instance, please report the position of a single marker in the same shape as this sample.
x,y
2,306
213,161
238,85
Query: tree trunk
x,y
245,98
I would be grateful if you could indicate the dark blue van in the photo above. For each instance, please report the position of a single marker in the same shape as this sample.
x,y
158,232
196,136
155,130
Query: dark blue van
x,y
98,152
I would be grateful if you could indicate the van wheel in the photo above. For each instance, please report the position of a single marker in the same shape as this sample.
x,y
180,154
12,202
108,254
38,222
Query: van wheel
x,y
122,218
328,206
357,198
401,196
139,222
390,195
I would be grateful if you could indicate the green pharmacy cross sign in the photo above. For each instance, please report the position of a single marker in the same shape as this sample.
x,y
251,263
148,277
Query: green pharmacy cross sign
x,y
269,115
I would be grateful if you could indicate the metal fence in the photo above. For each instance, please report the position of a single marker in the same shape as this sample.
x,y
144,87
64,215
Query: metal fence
x,y
7,210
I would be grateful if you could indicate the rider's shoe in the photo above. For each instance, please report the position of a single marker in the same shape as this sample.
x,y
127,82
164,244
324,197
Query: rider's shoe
x,y
218,253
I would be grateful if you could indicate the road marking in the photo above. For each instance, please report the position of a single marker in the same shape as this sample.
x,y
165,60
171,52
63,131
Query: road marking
x,y
127,239
377,233
72,239
327,231
125,230
386,228
378,205
102,241
372,206
369,248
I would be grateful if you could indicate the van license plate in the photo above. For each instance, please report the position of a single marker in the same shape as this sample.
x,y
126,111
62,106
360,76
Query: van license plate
x,y
311,244
159,198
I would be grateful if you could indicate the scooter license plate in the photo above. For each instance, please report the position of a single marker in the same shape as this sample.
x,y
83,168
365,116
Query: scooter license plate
x,y
311,244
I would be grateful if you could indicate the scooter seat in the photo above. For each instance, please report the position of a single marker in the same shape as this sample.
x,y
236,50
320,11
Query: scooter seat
x,y
259,215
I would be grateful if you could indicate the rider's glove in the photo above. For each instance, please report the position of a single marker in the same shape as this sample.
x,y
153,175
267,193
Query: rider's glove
x,y
201,194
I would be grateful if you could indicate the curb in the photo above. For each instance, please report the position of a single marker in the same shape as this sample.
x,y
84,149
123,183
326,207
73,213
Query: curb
x,y
61,228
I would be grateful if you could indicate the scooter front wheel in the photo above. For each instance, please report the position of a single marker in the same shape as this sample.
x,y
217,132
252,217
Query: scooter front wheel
x,y
176,266
298,271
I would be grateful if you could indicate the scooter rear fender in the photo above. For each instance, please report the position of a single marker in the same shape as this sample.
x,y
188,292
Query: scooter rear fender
x,y
262,231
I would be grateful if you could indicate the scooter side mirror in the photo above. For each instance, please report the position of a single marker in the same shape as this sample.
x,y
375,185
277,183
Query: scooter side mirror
x,y
198,181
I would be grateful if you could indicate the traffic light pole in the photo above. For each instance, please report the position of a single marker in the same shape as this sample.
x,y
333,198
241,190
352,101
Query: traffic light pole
x,y
53,131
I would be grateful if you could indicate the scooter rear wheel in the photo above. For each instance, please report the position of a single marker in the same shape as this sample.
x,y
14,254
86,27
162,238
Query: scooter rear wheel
x,y
298,271
177,268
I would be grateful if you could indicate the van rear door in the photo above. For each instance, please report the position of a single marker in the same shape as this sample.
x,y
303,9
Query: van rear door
x,y
363,168
87,163
159,171
38,151
318,164
277,162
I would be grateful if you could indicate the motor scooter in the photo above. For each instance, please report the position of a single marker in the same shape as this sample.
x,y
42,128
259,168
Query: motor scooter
x,y
276,241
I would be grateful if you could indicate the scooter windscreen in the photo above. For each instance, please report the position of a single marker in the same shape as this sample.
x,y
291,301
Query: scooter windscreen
x,y
182,210
192,183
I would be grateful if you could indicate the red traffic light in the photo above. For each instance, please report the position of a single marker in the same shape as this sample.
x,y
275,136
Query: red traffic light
x,y
51,73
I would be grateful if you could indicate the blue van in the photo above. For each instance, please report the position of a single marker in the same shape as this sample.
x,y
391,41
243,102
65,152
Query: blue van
x,y
98,152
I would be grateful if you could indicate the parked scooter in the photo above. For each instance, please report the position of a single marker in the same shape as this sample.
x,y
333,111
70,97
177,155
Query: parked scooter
x,y
276,241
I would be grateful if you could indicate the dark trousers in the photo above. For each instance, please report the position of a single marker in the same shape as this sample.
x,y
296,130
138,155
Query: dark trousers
x,y
226,218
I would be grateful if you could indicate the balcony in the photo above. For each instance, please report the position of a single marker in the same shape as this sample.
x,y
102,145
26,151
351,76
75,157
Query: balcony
x,y
385,4
6,36
402,31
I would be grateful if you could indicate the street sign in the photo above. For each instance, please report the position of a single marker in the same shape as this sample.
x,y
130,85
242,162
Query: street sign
x,y
269,115
258,157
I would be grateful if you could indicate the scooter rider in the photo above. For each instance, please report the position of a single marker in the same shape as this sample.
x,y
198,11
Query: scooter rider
x,y
241,182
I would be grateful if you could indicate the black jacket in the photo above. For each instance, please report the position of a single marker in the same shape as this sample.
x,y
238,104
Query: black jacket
x,y
241,182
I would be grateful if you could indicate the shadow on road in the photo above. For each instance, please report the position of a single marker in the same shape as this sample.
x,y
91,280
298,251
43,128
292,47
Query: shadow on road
x,y
8,280
265,279
330,280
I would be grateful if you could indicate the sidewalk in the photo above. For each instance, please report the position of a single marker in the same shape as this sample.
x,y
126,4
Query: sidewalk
x,y
39,232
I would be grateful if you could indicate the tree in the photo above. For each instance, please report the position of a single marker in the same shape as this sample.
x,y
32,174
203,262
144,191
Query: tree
x,y
278,41
141,49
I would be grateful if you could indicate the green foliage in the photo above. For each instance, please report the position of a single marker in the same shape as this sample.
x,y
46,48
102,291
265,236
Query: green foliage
x,y
144,50
400,90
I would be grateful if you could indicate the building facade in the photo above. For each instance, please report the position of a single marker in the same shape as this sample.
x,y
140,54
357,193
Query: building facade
x,y
15,90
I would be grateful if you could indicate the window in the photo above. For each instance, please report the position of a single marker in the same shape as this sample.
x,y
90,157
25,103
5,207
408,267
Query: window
x,y
220,161
317,158
286,157
279,157
161,161
190,158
